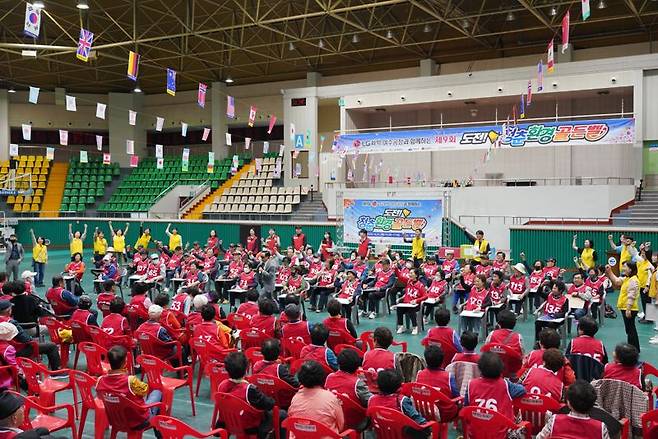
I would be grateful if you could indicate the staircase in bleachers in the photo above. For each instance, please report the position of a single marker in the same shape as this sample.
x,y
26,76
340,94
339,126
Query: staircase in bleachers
x,y
85,185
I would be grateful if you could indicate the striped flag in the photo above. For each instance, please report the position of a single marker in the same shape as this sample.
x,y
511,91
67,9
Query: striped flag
x,y
171,82
540,76
201,97
522,108
565,32
551,61
529,92
230,107
133,65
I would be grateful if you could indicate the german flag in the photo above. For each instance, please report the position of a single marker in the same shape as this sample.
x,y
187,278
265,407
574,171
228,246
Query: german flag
x,y
133,65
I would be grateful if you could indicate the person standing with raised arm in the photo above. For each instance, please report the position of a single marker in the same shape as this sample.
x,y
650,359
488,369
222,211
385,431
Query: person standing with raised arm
x,y
76,240
626,250
119,242
587,254
175,239
39,257
144,236
629,297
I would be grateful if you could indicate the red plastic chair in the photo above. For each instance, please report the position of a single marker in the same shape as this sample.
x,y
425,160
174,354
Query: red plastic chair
x,y
40,384
253,355
353,412
96,357
208,355
390,424
217,374
107,341
252,338
80,334
45,417
369,342
85,385
650,425
120,413
232,411
448,349
511,358
154,368
482,423
292,347
302,428
274,387
338,338
341,347
53,325
13,372
34,349
172,428
238,321
154,346
533,409
427,399
136,315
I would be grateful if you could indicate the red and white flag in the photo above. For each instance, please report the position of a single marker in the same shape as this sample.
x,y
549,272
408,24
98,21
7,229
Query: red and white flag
x,y
252,116
107,158
565,32
272,122
550,64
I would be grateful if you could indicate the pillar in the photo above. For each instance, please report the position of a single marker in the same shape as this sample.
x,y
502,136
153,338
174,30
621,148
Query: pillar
x,y
219,122
563,57
120,130
313,79
5,137
427,67
305,119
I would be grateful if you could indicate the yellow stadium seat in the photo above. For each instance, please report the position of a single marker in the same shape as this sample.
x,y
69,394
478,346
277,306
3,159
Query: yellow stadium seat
x,y
42,185
17,207
11,199
27,199
44,171
42,177
35,208
39,192
31,158
26,207
36,199
5,163
20,170
19,199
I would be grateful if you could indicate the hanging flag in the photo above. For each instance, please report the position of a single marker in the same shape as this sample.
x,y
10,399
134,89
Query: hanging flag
x,y
84,45
522,107
183,129
514,114
130,147
134,161
50,153
13,149
235,163
272,122
211,157
107,158
550,60
83,157
100,110
70,103
171,82
292,132
201,96
32,21
252,116
133,65
247,142
228,139
565,32
99,142
206,133
211,168
529,92
283,147
159,163
540,76
308,138
63,137
585,7
27,131
186,154
185,166
266,147
159,123
132,117
259,165
159,151
34,95
277,169
230,107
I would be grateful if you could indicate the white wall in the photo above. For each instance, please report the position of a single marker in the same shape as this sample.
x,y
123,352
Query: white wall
x,y
167,206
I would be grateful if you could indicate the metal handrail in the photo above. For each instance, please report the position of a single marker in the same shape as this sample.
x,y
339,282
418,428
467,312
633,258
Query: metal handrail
x,y
201,189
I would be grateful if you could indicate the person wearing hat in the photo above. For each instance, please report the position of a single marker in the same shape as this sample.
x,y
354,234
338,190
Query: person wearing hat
x,y
155,271
450,265
28,280
110,267
518,287
84,313
8,332
14,255
153,327
39,257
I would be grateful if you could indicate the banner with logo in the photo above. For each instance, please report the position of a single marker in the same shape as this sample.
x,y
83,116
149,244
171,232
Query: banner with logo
x,y
586,132
389,221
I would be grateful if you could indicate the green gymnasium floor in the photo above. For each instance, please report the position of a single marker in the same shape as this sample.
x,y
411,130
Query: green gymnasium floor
x,y
612,333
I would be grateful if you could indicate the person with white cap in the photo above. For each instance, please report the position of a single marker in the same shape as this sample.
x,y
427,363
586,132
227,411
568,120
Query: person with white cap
x,y
7,353
28,279
450,265
518,287
153,327
155,272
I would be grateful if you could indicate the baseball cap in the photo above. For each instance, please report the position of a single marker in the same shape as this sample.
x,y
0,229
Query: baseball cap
x,y
28,273
5,304
8,331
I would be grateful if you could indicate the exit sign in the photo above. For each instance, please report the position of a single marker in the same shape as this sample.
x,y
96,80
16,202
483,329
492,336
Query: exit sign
x,y
298,102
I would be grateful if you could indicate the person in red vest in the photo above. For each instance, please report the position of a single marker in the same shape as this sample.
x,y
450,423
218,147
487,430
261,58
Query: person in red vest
x,y
581,398
298,239
116,323
555,307
295,327
273,242
434,375
377,288
317,350
12,418
505,334
253,242
265,320
117,381
272,365
346,380
469,341
364,245
106,297
84,313
249,308
327,247
325,286
477,301
153,327
544,380
579,289
336,322
548,338
437,290
380,357
210,330
491,390
236,365
409,304
625,366
444,336
586,344
139,302
62,300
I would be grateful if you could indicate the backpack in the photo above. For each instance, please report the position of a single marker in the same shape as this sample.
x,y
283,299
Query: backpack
x,y
610,313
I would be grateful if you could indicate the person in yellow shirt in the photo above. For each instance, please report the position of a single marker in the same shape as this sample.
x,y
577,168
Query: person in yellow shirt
x,y
175,239
119,242
144,236
588,256
629,298
76,240
100,245
417,247
39,258
626,250
481,246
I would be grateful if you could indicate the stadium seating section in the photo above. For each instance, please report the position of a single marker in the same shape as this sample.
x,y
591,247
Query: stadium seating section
x,y
85,184
38,169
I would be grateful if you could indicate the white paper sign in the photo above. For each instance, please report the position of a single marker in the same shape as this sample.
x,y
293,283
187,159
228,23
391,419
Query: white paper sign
x,y
159,151
206,133
292,132
283,147
130,147
70,103
277,169
266,147
228,139
211,158
100,110
27,131
63,137
34,95
50,153
99,142
183,129
159,123
132,117
107,158
159,163
83,157
259,165
13,149
247,142
186,153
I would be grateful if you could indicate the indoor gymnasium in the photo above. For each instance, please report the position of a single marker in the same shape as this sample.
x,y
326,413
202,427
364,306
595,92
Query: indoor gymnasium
x,y
328,219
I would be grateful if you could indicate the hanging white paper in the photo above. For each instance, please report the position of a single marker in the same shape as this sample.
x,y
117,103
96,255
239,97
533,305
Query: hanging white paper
x,y
107,158
236,162
228,139
63,137
259,165
183,129
159,151
130,147
50,153
186,153
100,110
283,147
292,132
211,157
277,169
266,147
206,133
298,169
99,142
70,103
159,123
132,117
247,142
34,95
83,157
13,149
159,163
27,131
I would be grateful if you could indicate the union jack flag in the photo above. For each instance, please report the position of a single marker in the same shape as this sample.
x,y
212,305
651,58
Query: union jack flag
x,y
84,45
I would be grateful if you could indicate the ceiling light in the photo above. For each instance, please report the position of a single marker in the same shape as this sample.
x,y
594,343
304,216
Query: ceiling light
x,y
321,44
137,89
427,28
82,4
28,53
11,90
389,34
38,4
291,46
355,38
601,5
553,11
229,80
510,16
